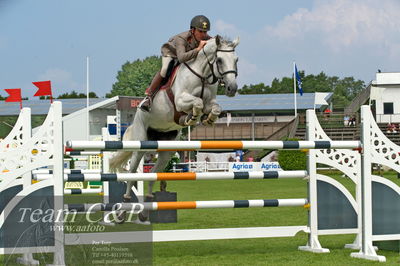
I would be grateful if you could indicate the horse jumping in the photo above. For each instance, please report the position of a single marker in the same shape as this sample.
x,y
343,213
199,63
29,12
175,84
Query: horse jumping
x,y
194,98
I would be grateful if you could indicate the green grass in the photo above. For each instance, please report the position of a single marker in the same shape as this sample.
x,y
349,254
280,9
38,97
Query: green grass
x,y
265,251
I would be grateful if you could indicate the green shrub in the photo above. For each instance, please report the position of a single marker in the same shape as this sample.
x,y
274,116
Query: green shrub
x,y
292,159
170,164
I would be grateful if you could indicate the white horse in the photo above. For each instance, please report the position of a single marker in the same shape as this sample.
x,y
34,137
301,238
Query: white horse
x,y
194,98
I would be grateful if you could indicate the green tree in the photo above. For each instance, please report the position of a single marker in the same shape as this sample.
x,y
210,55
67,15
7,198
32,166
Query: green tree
x,y
344,90
135,77
285,85
255,89
73,95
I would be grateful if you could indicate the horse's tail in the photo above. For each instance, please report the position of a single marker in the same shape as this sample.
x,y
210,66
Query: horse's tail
x,y
119,161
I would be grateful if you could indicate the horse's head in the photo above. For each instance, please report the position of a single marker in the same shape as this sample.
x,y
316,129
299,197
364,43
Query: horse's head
x,y
225,64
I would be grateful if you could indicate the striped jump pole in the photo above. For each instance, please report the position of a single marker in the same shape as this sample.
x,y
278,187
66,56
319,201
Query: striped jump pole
x,y
75,159
208,145
68,171
175,205
78,191
179,176
82,153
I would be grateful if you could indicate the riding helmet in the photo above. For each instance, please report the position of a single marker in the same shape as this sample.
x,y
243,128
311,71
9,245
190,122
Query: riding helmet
x,y
201,23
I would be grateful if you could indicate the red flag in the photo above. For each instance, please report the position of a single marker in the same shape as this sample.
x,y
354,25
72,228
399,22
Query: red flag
x,y
15,96
44,88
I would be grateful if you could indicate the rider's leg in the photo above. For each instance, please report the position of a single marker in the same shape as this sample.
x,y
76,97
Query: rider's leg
x,y
151,91
165,67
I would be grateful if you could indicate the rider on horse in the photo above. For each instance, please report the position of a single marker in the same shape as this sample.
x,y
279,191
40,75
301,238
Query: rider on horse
x,y
184,47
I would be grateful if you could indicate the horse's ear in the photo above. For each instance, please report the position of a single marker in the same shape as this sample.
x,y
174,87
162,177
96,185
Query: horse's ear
x,y
236,42
217,40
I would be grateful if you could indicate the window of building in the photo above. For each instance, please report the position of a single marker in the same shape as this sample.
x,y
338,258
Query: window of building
x,y
388,108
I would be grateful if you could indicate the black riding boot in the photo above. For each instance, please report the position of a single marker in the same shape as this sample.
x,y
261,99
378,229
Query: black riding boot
x,y
145,105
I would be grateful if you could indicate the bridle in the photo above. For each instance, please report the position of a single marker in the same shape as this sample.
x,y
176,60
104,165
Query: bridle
x,y
226,72
203,79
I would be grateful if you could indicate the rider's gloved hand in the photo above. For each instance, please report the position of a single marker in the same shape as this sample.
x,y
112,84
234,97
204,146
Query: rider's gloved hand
x,y
201,45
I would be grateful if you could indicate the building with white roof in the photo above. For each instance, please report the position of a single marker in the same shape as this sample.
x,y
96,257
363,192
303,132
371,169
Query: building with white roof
x,y
384,97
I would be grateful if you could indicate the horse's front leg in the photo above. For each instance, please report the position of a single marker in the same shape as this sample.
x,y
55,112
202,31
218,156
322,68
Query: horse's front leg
x,y
187,103
209,120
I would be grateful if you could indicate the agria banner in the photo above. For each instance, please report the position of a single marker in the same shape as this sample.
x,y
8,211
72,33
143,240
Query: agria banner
x,y
253,166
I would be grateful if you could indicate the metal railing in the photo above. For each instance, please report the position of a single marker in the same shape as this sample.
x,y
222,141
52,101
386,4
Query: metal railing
x,y
388,118
201,167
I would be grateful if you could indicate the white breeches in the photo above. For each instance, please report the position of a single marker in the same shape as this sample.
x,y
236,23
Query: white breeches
x,y
165,62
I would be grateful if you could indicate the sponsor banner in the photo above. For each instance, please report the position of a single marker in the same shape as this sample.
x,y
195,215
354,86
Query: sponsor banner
x,y
254,166
270,166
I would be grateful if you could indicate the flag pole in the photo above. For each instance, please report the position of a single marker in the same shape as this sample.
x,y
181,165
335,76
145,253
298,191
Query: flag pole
x,y
294,89
189,164
87,97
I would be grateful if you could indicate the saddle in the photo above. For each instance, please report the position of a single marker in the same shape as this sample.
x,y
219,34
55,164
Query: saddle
x,y
167,87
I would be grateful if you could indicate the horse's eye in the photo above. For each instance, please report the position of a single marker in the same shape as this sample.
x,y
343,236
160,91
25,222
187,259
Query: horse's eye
x,y
219,60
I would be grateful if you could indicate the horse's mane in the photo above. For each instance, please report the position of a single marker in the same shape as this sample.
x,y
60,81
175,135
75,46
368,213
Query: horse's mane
x,y
226,41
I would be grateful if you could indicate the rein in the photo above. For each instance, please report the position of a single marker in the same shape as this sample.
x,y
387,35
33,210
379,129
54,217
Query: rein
x,y
212,74
204,79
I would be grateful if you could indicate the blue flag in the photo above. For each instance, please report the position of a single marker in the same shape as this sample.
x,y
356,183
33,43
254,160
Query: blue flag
x,y
298,80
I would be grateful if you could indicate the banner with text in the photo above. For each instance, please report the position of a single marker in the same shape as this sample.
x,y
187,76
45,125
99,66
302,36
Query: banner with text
x,y
254,166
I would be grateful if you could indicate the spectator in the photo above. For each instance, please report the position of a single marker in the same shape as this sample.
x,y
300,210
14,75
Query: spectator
x,y
352,121
327,113
346,120
237,158
391,128
250,159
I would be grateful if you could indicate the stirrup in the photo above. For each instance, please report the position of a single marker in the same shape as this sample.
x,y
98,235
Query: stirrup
x,y
145,104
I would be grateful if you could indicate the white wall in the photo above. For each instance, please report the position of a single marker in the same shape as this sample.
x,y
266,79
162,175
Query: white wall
x,y
389,87
388,78
75,127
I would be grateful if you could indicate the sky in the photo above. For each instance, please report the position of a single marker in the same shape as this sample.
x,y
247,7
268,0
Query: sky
x,y
50,39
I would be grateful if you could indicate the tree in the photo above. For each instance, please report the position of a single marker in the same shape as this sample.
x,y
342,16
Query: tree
x,y
255,89
135,77
73,95
344,90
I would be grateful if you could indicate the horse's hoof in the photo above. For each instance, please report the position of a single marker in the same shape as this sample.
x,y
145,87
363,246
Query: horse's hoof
x,y
207,123
121,217
142,218
137,221
191,123
149,196
126,198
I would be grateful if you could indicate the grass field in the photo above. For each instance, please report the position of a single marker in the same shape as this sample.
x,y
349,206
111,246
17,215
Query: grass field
x,y
266,251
